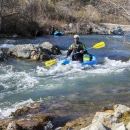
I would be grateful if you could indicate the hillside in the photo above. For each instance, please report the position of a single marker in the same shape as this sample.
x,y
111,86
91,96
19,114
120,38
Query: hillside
x,y
32,17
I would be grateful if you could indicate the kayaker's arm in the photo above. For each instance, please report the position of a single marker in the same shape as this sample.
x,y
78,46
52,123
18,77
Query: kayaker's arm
x,y
68,53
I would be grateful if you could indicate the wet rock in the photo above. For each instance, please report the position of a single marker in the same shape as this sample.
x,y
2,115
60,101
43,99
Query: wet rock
x,y
20,112
118,31
3,55
50,117
37,121
30,125
36,52
43,117
35,105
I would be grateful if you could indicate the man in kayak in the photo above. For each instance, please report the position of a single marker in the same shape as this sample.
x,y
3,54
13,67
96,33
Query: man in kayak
x,y
75,47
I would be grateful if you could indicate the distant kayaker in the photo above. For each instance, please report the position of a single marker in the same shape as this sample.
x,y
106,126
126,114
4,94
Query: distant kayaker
x,y
52,30
75,47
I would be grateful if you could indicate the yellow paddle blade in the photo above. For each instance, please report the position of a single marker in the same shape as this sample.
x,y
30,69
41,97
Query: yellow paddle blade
x,y
50,62
99,45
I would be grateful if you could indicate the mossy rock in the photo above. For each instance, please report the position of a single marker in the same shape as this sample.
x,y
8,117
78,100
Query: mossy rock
x,y
20,112
43,118
125,117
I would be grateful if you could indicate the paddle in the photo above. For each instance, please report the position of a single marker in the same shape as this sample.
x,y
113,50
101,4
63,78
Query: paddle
x,y
50,62
96,46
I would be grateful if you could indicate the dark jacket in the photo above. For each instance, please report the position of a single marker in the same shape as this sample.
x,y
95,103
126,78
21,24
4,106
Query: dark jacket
x,y
52,30
76,47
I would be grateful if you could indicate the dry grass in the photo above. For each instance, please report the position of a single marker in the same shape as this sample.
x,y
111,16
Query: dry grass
x,y
35,15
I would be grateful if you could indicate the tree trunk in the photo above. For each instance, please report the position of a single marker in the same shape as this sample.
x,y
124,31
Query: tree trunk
x,y
0,13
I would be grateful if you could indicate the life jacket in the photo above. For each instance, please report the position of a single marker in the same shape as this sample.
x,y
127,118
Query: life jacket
x,y
77,47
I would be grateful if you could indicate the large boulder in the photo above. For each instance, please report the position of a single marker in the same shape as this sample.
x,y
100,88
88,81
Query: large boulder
x,y
40,52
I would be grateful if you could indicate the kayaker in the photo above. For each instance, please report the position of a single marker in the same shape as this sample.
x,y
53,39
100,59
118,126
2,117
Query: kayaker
x,y
75,47
52,30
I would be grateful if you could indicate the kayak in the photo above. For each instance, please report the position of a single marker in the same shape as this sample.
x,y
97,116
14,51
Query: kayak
x,y
58,33
88,59
93,61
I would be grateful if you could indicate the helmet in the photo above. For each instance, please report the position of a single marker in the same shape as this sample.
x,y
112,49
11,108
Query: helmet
x,y
76,36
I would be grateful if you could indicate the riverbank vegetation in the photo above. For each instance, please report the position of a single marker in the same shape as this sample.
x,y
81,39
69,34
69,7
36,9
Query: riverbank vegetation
x,y
35,17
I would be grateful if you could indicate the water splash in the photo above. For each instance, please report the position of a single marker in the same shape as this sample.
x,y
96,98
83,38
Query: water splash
x,y
6,111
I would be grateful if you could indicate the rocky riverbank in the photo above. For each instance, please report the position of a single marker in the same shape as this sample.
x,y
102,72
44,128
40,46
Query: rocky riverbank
x,y
36,52
83,28
91,28
38,116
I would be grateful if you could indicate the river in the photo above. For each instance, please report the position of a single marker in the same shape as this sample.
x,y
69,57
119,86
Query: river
x,y
77,90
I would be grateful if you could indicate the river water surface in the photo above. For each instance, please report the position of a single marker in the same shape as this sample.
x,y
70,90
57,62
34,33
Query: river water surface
x,y
78,89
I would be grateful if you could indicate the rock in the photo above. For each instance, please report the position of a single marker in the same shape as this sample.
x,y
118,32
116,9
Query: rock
x,y
15,35
119,126
30,124
101,28
20,112
104,109
106,118
120,109
3,55
34,51
128,126
118,31
52,49
95,126
12,126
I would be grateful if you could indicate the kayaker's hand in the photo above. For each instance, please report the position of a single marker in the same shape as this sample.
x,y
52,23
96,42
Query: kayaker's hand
x,y
81,51
73,52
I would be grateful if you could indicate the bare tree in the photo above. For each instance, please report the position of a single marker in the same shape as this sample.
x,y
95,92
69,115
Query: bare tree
x,y
114,10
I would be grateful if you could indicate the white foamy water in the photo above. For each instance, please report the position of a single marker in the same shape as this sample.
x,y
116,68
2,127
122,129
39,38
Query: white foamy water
x,y
12,82
109,66
6,45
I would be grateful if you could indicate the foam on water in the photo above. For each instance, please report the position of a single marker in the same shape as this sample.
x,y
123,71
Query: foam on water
x,y
7,43
6,111
109,66
14,82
